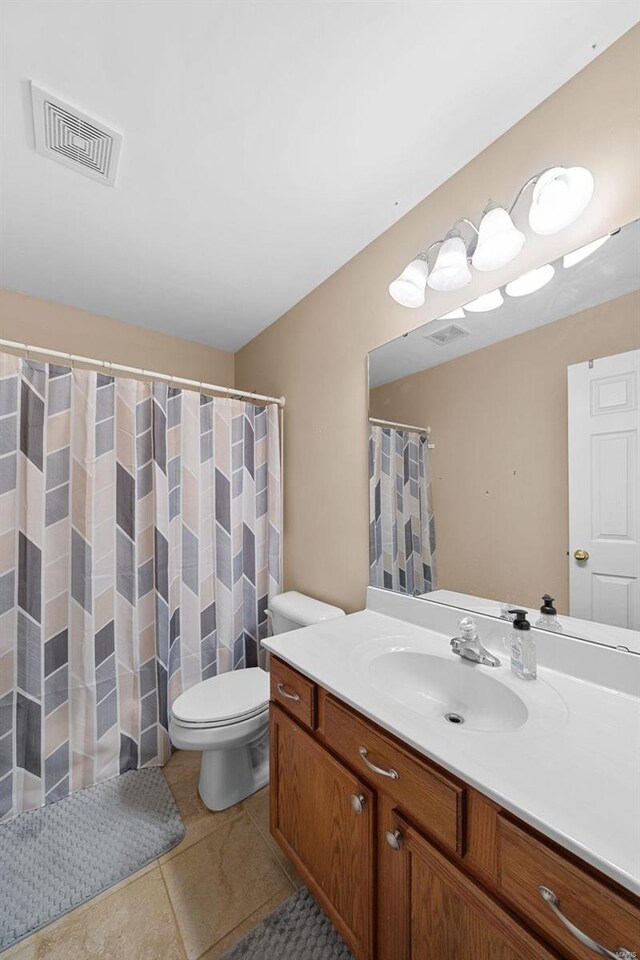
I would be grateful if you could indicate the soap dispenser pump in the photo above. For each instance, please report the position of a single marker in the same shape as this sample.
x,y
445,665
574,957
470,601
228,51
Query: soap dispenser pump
x,y
548,619
523,647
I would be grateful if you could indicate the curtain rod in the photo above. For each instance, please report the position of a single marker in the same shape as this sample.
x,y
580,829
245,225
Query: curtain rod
x,y
149,374
424,431
401,426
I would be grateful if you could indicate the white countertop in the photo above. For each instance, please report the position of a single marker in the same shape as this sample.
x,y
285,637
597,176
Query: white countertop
x,y
575,779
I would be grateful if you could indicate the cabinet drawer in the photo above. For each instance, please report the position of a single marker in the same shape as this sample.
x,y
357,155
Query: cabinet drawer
x,y
293,692
425,795
526,863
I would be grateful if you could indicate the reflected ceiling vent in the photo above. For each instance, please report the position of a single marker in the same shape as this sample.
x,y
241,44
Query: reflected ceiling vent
x,y
69,136
447,335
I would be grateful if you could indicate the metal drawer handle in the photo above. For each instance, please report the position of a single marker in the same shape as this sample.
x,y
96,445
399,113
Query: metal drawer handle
x,y
393,774
357,802
289,696
620,954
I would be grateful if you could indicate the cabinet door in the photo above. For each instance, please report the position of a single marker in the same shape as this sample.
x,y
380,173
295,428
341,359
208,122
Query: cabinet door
x,y
447,915
323,818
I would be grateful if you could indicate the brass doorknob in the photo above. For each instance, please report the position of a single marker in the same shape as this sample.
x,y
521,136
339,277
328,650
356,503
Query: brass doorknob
x,y
581,555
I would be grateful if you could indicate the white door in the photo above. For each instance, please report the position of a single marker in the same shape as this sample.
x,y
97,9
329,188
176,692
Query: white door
x,y
604,490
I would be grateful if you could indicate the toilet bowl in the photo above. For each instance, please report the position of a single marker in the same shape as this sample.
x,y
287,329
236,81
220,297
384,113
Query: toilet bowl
x,y
227,716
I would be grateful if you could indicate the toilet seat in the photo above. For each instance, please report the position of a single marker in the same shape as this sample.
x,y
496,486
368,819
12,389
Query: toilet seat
x,y
215,724
223,700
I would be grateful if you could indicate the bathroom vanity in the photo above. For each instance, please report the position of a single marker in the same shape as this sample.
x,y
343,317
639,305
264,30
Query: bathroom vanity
x,y
512,835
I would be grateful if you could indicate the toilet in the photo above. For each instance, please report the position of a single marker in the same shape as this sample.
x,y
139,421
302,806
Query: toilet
x,y
227,716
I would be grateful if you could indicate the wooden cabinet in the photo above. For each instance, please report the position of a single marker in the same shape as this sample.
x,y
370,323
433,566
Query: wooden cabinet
x,y
448,916
437,800
323,818
409,862
293,692
525,864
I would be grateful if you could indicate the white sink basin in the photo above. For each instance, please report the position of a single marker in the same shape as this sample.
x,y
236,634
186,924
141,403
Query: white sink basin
x,y
429,680
454,690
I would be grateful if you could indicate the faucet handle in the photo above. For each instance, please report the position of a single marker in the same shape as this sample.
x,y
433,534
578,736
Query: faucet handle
x,y
468,628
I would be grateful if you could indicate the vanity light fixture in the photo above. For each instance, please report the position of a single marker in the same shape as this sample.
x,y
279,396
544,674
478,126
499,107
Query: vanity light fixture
x,y
409,288
570,259
559,196
457,314
499,241
530,282
451,270
488,301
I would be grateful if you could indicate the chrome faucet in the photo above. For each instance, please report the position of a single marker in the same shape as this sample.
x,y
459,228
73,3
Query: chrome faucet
x,y
468,645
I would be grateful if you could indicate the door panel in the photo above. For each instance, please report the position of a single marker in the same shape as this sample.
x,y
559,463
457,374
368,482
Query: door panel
x,y
604,489
450,916
314,821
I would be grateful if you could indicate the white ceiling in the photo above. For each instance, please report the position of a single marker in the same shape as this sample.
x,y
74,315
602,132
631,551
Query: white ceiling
x,y
265,143
610,272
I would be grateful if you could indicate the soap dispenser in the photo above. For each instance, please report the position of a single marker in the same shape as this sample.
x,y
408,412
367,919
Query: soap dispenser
x,y
548,619
523,647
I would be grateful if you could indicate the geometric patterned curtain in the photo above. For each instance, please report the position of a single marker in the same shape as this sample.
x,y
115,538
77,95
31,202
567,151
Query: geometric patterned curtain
x,y
402,537
140,544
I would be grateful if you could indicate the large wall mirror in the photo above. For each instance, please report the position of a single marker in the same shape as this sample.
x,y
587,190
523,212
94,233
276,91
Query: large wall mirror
x,y
505,454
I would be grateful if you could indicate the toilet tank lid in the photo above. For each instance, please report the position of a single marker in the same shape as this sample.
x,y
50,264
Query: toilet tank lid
x,y
302,609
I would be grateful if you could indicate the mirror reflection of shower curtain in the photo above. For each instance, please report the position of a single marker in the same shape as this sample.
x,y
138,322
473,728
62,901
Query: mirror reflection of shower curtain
x,y
140,542
402,540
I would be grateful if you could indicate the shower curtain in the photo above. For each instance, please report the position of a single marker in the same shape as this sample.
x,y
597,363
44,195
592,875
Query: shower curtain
x,y
140,530
402,539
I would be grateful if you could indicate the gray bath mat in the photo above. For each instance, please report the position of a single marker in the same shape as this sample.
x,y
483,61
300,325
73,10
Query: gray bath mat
x,y
297,930
58,856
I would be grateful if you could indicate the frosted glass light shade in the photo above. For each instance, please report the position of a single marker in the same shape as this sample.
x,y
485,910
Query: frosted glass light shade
x,y
570,259
499,242
409,288
451,270
457,314
488,301
530,282
559,197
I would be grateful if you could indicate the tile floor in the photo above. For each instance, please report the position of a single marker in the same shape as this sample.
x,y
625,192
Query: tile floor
x,y
191,904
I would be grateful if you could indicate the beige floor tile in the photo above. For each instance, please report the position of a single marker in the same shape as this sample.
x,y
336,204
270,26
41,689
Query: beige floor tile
x,y
29,944
257,806
22,951
238,933
135,921
181,760
182,773
219,882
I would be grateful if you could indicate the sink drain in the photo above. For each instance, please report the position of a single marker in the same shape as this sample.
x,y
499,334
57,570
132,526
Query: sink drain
x,y
453,718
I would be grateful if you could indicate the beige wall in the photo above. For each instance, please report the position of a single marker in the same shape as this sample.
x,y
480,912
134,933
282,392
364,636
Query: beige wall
x,y
499,467
46,324
316,353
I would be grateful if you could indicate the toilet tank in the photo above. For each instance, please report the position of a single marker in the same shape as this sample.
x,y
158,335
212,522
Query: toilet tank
x,y
292,610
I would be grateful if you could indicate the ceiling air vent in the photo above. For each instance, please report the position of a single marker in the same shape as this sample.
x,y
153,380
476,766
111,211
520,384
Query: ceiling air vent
x,y
447,335
74,139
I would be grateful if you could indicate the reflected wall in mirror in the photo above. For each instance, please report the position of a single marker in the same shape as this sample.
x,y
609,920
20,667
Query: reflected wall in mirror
x,y
504,449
